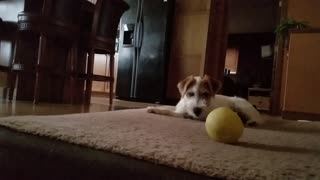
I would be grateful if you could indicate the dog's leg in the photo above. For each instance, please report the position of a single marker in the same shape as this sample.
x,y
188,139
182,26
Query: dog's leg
x,y
244,108
165,112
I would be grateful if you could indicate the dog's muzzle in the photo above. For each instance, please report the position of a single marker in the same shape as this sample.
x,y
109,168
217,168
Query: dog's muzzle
x,y
197,111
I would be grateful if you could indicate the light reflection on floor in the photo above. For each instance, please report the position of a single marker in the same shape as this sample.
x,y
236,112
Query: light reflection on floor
x,y
98,104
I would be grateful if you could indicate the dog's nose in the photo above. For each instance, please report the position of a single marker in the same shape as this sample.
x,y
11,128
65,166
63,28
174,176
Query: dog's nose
x,y
197,111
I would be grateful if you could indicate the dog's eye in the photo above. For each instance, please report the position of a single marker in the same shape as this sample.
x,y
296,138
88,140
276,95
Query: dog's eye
x,y
190,94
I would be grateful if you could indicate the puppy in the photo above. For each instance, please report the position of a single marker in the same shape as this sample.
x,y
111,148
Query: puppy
x,y
198,99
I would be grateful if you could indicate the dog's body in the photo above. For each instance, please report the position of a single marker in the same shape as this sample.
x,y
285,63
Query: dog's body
x,y
198,99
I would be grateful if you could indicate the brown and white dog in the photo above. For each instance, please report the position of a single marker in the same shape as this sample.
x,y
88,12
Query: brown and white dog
x,y
199,98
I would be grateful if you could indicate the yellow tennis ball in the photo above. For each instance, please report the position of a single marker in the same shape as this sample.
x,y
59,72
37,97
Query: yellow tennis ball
x,y
224,125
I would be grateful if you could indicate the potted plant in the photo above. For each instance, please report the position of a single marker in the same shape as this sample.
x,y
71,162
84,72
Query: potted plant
x,y
286,24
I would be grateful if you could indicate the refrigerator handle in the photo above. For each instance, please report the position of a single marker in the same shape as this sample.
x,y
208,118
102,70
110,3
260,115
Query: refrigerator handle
x,y
141,26
137,49
133,79
136,26
135,36
141,29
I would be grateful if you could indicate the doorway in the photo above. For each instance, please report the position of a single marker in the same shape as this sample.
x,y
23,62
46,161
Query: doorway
x,y
249,57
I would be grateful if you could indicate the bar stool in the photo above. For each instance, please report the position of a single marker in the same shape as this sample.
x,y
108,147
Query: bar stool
x,y
101,40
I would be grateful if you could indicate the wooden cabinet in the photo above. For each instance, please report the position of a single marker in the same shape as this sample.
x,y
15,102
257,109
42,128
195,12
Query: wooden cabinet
x,y
301,88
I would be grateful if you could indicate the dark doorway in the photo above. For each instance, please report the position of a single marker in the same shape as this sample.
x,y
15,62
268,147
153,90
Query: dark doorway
x,y
249,61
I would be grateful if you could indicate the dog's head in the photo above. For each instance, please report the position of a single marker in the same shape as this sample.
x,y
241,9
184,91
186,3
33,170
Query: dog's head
x,y
196,94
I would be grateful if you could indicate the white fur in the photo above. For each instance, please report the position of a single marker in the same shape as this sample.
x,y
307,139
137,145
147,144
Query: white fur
x,y
186,105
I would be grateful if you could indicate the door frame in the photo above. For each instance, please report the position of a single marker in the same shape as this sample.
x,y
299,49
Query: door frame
x,y
217,39
278,63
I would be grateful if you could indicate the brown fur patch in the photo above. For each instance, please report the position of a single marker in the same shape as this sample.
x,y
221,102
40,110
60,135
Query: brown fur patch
x,y
185,84
204,90
211,84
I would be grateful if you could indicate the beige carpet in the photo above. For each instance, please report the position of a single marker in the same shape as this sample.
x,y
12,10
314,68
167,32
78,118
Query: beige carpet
x,y
279,150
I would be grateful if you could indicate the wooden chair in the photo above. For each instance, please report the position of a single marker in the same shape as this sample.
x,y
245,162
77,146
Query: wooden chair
x,y
53,20
101,40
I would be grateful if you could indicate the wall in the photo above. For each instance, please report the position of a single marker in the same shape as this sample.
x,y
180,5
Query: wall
x,y
10,8
307,10
252,16
188,42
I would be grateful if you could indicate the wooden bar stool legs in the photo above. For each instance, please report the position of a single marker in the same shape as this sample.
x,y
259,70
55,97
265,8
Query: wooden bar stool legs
x,y
91,77
41,56
12,76
90,63
111,82
74,59
71,74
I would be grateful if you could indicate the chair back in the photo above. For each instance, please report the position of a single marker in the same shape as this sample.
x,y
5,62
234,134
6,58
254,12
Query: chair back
x,y
107,17
57,17
33,6
67,11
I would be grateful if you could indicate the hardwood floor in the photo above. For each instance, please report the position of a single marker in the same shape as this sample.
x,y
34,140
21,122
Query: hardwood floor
x,y
98,104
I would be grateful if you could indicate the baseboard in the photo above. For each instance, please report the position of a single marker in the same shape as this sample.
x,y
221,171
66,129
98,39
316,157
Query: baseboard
x,y
300,116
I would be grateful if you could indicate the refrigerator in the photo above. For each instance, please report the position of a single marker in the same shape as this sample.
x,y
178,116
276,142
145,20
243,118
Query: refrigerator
x,y
144,41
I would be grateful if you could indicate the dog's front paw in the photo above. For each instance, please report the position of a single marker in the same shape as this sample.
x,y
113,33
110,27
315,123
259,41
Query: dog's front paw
x,y
157,110
254,122
251,123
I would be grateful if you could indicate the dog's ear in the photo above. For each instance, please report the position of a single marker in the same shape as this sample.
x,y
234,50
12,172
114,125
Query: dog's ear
x,y
185,84
214,85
